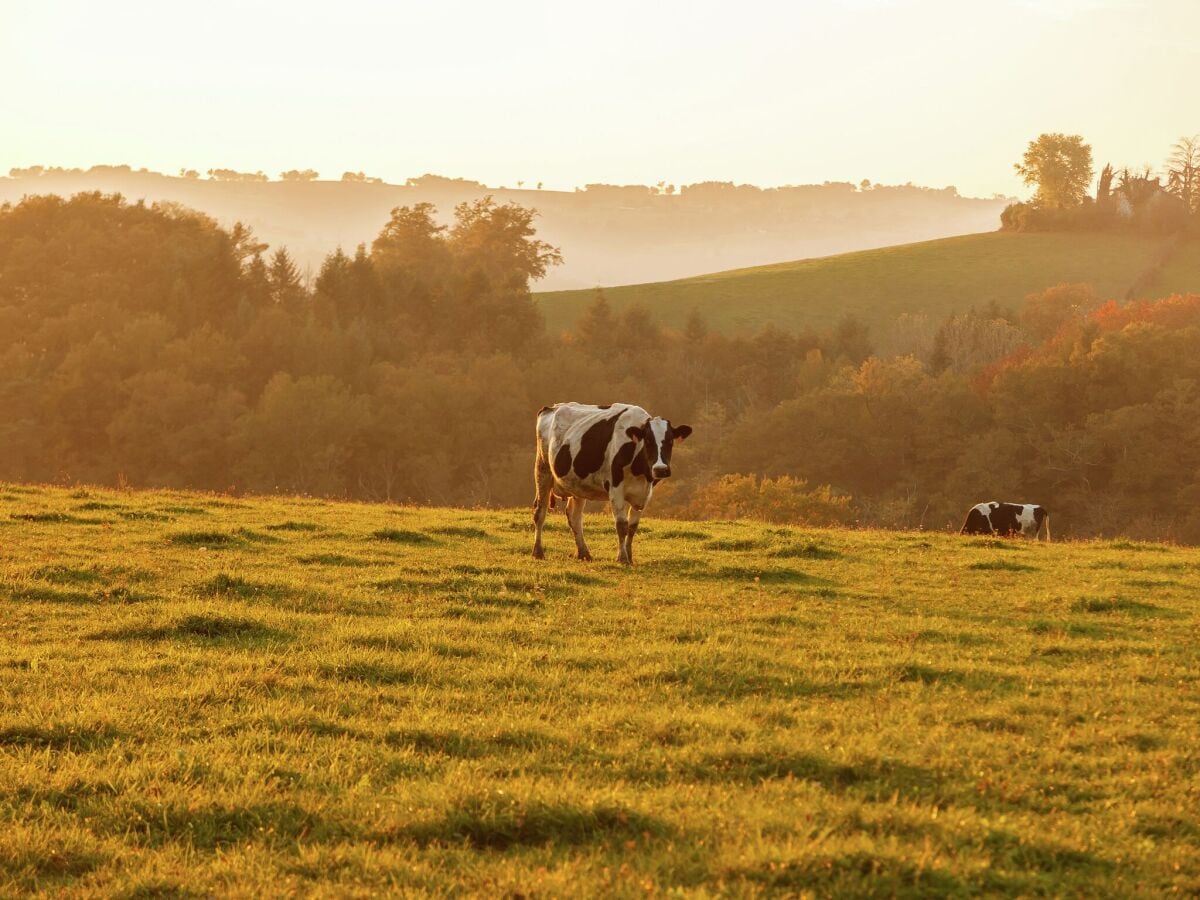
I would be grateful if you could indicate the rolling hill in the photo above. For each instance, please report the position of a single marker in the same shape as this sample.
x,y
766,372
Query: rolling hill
x,y
608,234
204,695
935,277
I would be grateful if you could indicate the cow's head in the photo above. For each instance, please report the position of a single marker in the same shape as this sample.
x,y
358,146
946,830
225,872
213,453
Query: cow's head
x,y
658,437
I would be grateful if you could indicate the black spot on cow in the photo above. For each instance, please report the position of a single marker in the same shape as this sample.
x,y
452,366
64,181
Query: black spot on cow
x,y
641,468
593,446
621,461
976,523
650,451
562,461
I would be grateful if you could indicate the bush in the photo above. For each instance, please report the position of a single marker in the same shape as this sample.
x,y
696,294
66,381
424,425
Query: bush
x,y
783,499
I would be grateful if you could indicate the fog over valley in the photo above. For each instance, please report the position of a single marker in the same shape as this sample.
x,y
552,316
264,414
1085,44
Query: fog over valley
x,y
608,234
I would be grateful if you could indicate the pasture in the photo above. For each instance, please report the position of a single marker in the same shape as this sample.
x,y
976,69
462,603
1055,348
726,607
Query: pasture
x,y
950,275
214,695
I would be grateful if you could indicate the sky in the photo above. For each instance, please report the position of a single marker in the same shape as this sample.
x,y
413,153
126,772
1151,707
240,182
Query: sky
x,y
934,92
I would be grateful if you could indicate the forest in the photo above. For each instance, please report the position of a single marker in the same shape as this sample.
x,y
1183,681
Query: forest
x,y
143,345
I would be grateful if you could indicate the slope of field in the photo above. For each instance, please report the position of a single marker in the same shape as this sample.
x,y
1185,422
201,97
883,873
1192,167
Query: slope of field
x,y
935,277
205,695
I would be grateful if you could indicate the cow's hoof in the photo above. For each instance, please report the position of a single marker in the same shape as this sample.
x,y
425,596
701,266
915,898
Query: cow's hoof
x,y
539,553
584,557
625,560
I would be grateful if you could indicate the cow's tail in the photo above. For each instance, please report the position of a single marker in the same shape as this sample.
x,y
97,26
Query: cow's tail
x,y
542,477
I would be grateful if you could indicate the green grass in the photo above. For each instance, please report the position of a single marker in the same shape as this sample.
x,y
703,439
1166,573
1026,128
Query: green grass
x,y
935,277
300,697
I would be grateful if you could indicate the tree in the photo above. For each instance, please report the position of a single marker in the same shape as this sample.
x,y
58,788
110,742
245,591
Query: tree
x,y
299,175
1104,186
286,287
1060,165
1183,172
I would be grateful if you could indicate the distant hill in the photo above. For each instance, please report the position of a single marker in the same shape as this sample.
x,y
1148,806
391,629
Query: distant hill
x,y
608,234
934,277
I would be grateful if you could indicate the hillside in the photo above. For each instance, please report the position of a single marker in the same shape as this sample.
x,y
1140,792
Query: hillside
x,y
608,234
214,695
935,277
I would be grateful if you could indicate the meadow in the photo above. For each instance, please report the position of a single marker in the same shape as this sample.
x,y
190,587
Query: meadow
x,y
202,694
938,278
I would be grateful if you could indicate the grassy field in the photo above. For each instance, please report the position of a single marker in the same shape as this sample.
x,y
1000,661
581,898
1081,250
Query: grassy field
x,y
934,277
207,695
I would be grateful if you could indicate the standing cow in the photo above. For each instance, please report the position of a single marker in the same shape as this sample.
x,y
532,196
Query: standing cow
x,y
616,453
1007,519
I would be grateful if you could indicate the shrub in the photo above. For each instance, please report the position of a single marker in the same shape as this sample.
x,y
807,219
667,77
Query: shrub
x,y
783,499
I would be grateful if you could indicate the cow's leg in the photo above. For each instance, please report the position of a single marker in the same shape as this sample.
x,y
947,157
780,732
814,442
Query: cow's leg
x,y
543,483
634,517
575,520
616,498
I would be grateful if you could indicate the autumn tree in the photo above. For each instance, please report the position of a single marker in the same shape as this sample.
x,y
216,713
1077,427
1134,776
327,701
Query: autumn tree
x,y
1060,166
1183,172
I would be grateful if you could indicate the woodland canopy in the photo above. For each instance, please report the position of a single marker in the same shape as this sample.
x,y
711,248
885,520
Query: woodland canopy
x,y
144,345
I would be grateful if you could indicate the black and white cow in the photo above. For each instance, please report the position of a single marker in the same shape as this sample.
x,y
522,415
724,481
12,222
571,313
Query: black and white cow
x,y
1007,519
616,453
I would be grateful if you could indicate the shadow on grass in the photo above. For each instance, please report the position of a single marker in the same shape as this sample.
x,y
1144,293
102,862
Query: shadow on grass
x,y
280,596
109,594
973,681
805,551
72,738
35,870
995,543
856,874
876,777
1012,851
60,518
461,531
1118,605
683,534
734,545
214,826
400,536
465,746
331,559
60,574
143,515
1000,565
201,627
370,672
699,570
207,539
498,823
293,526
715,681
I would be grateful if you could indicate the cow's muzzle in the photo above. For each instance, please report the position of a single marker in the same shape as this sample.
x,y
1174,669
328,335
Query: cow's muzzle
x,y
661,472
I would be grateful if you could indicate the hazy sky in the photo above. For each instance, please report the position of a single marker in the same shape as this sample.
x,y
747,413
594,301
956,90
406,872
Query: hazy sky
x,y
935,92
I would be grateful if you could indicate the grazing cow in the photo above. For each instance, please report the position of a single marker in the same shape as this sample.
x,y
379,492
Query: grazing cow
x,y
1007,519
616,453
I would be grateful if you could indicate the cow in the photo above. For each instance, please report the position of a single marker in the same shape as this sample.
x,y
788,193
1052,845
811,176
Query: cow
x,y
616,452
1007,519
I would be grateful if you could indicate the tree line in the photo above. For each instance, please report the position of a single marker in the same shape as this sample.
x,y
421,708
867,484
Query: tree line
x,y
144,345
1060,168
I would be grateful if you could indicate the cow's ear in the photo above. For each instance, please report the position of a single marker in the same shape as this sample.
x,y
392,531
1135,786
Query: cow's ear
x,y
681,432
635,434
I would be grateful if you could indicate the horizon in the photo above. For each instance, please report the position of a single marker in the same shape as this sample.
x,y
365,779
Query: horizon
x,y
689,95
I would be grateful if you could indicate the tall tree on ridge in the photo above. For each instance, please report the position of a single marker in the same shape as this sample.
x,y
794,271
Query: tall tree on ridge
x,y
1060,165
